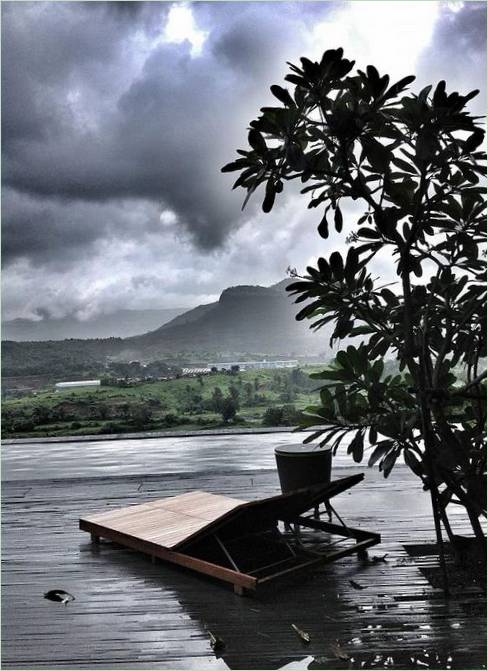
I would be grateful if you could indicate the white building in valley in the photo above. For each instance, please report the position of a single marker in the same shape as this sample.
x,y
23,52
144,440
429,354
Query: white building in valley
x,y
76,384
255,365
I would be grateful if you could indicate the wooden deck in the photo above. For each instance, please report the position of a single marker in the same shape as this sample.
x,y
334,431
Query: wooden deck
x,y
132,614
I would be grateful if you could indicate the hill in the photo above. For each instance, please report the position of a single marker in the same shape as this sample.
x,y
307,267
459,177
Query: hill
x,y
245,319
119,324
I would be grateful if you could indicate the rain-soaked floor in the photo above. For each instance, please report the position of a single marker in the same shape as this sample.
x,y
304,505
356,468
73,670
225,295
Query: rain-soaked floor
x,y
26,461
131,614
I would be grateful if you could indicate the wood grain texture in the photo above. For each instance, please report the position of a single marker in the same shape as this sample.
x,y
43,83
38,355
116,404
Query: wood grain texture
x,y
165,522
132,614
154,550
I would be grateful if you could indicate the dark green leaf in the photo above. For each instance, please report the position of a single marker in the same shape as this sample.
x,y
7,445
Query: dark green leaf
x,y
378,155
403,165
474,140
380,450
338,219
283,96
257,142
388,463
235,165
413,462
398,87
356,447
337,265
269,198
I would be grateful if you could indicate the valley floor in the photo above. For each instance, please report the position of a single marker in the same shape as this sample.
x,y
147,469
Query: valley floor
x,y
259,398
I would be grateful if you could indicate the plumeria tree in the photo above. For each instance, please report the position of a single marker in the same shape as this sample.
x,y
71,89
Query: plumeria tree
x,y
411,165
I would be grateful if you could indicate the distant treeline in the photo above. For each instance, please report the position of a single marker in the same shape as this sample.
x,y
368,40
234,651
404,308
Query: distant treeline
x,y
62,358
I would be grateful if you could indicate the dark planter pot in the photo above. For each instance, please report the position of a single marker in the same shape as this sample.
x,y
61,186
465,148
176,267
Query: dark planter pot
x,y
302,465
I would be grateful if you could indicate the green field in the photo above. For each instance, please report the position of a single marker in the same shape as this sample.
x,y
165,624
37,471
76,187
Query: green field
x,y
262,397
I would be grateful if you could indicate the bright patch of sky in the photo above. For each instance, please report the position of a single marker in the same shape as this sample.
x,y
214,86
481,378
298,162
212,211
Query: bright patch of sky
x,y
168,218
181,27
390,35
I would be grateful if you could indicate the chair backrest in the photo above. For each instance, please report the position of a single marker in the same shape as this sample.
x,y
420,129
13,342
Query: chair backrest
x,y
256,516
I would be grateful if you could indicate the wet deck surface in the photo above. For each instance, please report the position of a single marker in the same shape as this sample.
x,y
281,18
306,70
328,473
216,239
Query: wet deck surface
x,y
35,460
131,614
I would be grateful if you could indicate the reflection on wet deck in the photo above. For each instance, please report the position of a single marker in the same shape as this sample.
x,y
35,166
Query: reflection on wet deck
x,y
130,456
131,614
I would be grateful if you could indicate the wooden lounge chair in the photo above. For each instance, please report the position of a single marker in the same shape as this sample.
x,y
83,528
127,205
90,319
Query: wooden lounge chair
x,y
233,540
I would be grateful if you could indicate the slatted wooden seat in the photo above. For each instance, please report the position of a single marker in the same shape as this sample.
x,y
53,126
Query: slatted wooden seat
x,y
234,540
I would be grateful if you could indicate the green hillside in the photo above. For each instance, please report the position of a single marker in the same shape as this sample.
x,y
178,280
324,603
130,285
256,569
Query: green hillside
x,y
245,319
272,397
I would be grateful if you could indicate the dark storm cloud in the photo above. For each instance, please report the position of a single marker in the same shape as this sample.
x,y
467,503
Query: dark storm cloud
x,y
105,125
124,9
78,127
61,232
457,53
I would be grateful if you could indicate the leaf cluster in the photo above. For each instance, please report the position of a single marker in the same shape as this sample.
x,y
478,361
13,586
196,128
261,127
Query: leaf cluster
x,y
414,165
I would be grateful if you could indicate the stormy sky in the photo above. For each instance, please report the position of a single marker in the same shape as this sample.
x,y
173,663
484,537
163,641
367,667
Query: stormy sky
x,y
116,120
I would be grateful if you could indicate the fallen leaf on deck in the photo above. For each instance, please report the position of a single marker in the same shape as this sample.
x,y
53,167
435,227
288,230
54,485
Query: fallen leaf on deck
x,y
216,643
356,585
302,634
356,641
339,652
59,595
378,558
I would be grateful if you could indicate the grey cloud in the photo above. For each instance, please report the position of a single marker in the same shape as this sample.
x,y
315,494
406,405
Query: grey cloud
x,y
57,233
165,135
457,53
103,128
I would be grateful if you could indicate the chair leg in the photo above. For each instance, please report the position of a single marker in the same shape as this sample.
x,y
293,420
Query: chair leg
x,y
328,508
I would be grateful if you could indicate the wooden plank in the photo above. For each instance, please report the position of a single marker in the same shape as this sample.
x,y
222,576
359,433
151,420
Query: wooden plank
x,y
156,550
326,558
264,512
292,569
129,614
201,504
169,521
348,531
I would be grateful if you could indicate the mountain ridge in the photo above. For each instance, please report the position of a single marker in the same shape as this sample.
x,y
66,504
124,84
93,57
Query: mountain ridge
x,y
119,324
246,318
